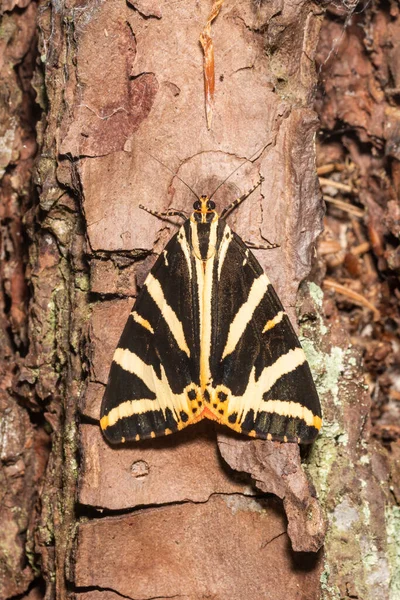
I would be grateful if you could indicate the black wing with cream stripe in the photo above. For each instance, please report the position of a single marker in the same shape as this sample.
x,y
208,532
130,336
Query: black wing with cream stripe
x,y
208,338
153,386
261,382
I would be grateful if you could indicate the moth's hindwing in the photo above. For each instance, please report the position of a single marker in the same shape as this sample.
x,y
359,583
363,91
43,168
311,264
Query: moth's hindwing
x,y
208,337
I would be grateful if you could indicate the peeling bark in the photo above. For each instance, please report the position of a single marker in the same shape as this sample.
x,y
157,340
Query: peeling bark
x,y
276,469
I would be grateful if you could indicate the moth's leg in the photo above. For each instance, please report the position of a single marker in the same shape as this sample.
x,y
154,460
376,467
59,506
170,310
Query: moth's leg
x,y
169,213
254,246
239,200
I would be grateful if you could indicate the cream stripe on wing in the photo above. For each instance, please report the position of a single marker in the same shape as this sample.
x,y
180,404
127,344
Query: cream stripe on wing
x,y
182,240
292,409
223,248
127,409
277,319
143,322
253,396
245,313
132,363
206,302
195,242
155,290
246,256
284,364
200,293
164,399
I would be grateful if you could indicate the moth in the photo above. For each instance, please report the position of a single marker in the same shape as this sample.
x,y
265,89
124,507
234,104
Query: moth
x,y
209,338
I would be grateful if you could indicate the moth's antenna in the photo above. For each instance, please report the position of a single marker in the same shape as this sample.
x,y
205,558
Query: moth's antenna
x,y
173,173
259,151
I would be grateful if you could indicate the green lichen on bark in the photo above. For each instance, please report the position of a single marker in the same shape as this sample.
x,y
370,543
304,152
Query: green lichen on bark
x,y
61,310
60,281
393,541
59,332
341,466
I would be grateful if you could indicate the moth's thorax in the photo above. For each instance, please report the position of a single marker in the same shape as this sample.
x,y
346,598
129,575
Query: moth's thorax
x,y
203,236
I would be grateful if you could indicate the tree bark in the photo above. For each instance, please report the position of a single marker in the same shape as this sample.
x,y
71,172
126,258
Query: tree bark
x,y
146,60
24,443
357,476
201,514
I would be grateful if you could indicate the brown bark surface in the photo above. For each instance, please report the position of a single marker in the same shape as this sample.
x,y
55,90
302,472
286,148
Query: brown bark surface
x,y
194,556
358,103
204,513
24,445
148,67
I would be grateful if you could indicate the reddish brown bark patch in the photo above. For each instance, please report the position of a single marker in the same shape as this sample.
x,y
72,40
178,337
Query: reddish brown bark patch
x,y
106,104
23,444
107,322
173,469
147,8
234,547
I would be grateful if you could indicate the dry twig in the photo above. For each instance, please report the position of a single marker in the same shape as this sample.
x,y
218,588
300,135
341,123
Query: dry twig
x,y
344,187
330,168
354,210
351,295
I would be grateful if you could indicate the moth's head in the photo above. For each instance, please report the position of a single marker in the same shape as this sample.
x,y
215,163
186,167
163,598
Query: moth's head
x,y
204,210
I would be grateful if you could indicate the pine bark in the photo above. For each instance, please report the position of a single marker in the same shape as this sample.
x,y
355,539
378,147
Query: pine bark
x,y
201,514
